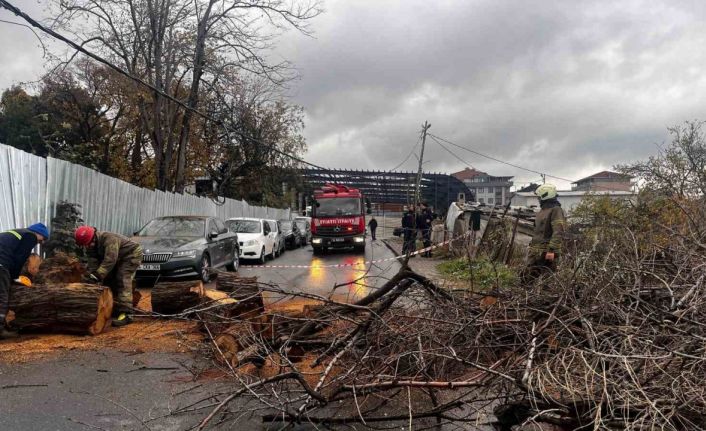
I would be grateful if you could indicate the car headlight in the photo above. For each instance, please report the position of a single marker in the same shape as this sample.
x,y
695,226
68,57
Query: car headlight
x,y
250,242
184,253
359,239
316,241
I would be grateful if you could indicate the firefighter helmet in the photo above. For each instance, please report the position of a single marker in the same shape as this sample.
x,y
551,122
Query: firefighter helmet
x,y
546,191
84,235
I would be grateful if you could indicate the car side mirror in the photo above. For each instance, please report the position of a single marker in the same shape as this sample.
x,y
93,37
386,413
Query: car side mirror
x,y
213,234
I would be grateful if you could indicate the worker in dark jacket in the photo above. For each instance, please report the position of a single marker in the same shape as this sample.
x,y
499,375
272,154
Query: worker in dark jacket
x,y
15,247
119,258
549,229
373,225
424,219
409,230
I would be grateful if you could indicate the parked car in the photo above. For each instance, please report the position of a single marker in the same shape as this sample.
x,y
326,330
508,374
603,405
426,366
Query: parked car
x,y
304,227
255,238
291,234
186,246
279,238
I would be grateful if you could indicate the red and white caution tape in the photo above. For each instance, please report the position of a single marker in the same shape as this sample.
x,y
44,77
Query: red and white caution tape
x,y
352,264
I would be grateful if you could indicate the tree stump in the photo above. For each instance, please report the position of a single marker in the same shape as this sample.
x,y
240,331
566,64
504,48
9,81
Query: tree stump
x,y
74,308
60,268
177,296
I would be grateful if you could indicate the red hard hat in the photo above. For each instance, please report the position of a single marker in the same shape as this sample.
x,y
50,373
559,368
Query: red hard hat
x,y
84,235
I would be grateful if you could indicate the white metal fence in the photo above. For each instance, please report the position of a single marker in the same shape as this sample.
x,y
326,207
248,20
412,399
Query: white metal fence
x,y
31,186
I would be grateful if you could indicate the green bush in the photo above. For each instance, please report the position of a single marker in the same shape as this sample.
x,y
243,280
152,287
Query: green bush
x,y
481,273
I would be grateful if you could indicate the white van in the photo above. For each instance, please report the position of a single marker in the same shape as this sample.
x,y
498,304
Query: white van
x,y
255,238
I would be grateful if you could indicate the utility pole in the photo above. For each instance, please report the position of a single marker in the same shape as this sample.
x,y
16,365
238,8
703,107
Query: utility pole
x,y
425,127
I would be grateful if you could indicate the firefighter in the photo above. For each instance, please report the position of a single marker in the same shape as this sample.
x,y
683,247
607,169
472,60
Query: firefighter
x,y
15,247
119,258
373,225
424,219
409,229
549,228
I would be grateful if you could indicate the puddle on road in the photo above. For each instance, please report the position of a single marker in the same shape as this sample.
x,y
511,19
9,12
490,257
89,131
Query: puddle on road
x,y
342,284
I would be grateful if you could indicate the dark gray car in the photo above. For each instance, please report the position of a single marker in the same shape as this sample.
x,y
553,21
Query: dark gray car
x,y
186,246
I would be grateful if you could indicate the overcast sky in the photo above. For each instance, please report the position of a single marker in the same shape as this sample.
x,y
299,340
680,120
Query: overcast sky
x,y
569,88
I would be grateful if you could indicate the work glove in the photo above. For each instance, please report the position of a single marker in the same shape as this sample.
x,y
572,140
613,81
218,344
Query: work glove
x,y
91,278
549,256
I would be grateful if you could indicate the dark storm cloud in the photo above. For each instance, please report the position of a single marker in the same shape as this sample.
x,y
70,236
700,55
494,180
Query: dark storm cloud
x,y
565,87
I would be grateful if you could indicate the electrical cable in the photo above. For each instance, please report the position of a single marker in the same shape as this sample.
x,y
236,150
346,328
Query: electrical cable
x,y
7,5
408,155
542,174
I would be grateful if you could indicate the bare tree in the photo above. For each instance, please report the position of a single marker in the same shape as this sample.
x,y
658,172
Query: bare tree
x,y
179,45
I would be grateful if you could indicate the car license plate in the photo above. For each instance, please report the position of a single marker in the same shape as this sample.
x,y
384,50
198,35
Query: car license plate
x,y
149,267
338,239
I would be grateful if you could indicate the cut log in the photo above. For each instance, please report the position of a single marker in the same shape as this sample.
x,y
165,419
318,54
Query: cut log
x,y
175,297
240,288
72,308
231,349
60,268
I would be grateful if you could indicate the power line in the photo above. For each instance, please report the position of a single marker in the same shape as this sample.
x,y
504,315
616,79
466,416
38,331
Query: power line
x,y
541,174
408,155
14,9
498,160
451,152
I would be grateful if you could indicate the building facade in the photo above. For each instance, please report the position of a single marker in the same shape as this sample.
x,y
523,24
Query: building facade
x,y
488,189
569,199
604,180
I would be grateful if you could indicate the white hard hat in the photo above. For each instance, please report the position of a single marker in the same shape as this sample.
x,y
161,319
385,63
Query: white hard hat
x,y
546,191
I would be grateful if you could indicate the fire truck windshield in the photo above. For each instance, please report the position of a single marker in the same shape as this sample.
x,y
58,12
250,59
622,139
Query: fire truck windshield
x,y
330,207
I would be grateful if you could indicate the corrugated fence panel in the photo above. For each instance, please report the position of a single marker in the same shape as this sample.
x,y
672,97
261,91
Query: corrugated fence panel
x,y
31,187
23,179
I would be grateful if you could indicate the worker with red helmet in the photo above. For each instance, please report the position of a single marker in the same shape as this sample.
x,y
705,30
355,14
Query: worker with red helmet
x,y
119,258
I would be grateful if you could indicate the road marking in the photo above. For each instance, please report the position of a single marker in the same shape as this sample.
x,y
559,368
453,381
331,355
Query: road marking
x,y
345,265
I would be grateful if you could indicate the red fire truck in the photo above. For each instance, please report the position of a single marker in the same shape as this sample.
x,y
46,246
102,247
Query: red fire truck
x,y
338,218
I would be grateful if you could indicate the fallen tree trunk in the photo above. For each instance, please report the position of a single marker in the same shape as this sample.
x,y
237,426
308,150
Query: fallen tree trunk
x,y
74,308
240,288
177,296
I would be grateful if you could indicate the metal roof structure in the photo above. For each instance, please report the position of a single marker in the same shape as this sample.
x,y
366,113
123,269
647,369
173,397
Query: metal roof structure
x,y
382,187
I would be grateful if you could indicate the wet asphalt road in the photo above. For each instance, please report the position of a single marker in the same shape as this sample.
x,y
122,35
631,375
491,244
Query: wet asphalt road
x,y
108,390
322,280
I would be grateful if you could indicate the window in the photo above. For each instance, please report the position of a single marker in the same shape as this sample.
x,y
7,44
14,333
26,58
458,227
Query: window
x,y
174,226
220,226
212,226
244,226
481,200
266,228
490,200
330,207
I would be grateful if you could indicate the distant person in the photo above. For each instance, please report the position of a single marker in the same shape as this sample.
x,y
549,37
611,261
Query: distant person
x,y
549,228
373,225
409,230
15,247
424,219
119,258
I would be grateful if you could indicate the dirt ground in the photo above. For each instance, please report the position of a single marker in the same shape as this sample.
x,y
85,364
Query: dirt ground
x,y
143,335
